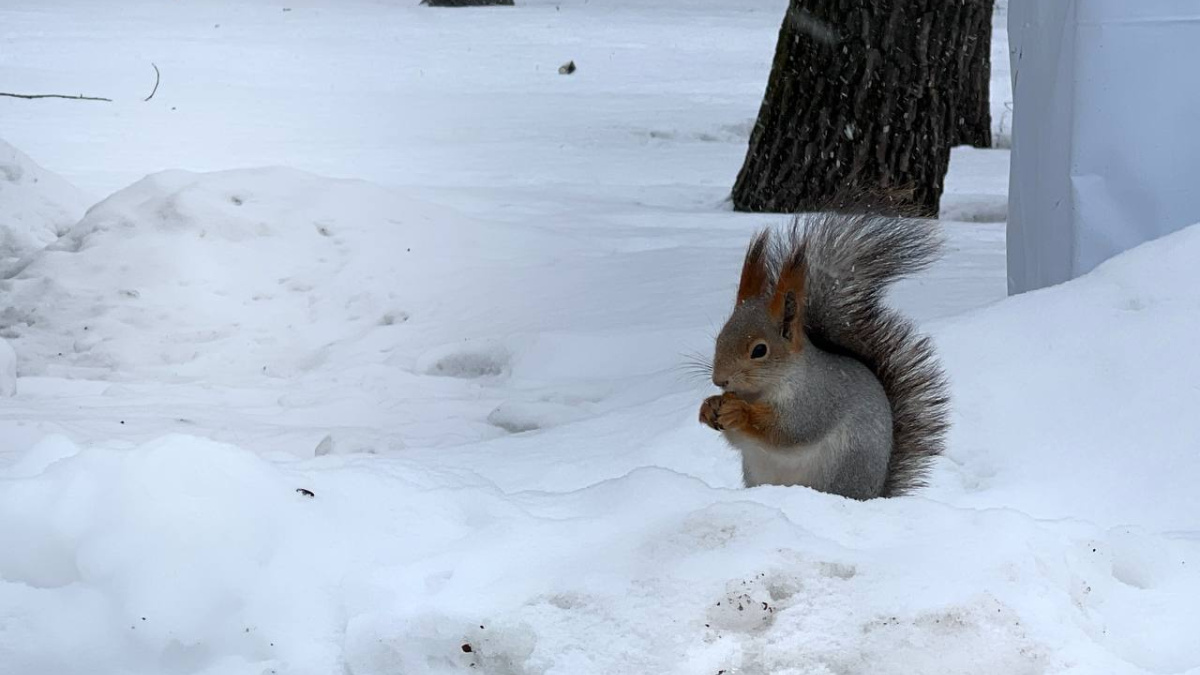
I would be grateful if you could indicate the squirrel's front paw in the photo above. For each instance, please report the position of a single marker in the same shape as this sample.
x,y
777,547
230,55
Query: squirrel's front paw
x,y
724,412
733,413
709,410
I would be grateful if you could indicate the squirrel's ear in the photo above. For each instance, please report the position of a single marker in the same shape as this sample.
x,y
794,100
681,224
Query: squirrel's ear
x,y
754,269
787,304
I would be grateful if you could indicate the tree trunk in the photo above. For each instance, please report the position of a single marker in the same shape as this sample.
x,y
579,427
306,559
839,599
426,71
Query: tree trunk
x,y
975,68
864,99
464,3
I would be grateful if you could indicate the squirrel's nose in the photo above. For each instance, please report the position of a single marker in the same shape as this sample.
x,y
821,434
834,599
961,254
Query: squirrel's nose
x,y
722,383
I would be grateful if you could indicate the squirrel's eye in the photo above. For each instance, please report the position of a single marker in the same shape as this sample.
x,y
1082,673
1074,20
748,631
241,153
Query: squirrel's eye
x,y
759,351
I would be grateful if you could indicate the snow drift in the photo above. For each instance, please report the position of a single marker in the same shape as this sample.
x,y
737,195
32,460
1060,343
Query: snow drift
x,y
8,369
1078,400
36,206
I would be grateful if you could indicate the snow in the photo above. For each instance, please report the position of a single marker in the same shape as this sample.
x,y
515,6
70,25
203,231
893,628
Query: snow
x,y
254,271
36,206
8,369
1102,366
424,391
398,94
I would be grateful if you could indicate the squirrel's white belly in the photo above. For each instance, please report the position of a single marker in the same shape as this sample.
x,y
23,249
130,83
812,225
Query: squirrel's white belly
x,y
812,465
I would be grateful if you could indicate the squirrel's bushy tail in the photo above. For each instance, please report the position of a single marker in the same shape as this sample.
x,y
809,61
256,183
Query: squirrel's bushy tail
x,y
849,262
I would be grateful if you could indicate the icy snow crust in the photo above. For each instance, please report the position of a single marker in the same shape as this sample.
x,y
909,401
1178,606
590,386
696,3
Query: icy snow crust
x,y
268,421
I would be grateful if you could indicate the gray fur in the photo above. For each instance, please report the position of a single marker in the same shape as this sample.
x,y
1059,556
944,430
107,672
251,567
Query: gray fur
x,y
861,406
838,435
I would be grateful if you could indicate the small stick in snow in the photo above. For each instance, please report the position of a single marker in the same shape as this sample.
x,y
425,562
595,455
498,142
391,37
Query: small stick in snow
x,y
157,78
80,97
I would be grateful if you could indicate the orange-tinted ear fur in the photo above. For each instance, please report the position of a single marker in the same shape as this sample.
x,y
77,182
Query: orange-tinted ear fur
x,y
787,304
754,269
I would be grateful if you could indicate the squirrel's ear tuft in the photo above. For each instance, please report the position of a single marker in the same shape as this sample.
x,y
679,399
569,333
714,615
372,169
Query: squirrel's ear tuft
x,y
754,269
787,303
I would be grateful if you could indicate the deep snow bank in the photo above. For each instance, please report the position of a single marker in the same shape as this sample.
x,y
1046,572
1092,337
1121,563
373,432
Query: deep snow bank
x,y
36,206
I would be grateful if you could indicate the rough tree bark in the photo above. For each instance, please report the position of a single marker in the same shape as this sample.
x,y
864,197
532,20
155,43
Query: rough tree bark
x,y
464,3
865,98
974,121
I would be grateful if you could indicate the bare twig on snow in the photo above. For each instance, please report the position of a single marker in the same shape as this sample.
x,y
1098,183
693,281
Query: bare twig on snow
x,y
157,78
80,97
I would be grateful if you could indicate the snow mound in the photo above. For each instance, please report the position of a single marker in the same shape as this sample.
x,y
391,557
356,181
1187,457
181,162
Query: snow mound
x,y
1079,400
8,369
241,272
187,555
36,207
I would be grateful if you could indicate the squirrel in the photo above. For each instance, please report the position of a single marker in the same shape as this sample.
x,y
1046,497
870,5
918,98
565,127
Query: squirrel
x,y
824,386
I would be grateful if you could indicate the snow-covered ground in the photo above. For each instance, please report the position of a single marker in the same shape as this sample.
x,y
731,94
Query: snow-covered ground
x,y
416,404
